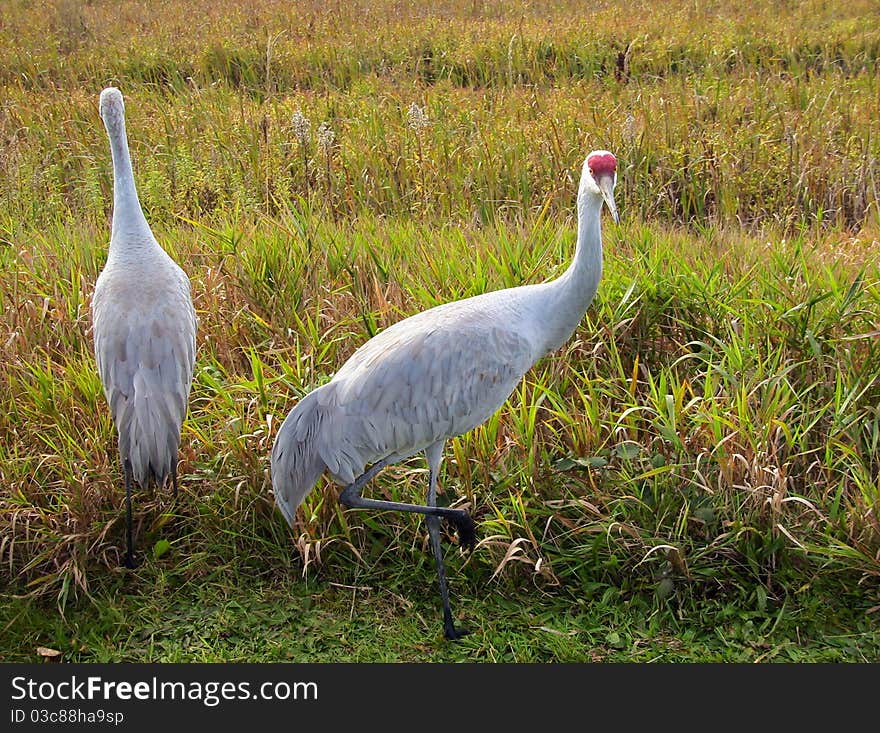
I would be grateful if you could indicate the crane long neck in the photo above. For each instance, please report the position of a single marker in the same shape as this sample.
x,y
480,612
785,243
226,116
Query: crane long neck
x,y
129,224
575,288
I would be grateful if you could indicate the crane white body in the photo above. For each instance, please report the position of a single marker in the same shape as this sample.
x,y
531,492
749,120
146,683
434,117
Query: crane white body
x,y
144,325
428,378
144,331
439,373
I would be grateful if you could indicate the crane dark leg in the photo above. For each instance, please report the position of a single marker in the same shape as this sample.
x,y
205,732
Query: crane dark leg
x,y
351,497
435,454
129,546
174,478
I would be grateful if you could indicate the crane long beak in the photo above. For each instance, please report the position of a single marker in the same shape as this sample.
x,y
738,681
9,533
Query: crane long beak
x,y
606,186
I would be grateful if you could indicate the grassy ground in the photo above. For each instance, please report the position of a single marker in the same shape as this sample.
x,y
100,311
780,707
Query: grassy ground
x,y
693,476
249,614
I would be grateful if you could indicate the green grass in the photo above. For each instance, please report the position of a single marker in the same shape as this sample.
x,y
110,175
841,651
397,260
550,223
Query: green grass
x,y
237,613
692,476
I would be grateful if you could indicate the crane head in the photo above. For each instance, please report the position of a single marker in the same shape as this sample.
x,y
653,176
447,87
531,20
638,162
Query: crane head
x,y
602,168
112,109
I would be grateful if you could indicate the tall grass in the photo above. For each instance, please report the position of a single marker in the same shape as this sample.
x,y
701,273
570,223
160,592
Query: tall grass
x,y
764,112
713,419
704,415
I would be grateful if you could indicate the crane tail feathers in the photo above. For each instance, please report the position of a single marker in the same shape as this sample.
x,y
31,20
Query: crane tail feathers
x,y
296,461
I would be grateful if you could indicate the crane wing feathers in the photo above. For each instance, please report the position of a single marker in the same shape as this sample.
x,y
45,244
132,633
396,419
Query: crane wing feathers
x,y
295,461
145,360
411,386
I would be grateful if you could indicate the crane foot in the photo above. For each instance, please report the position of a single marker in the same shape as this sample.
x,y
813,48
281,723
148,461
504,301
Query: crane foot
x,y
454,634
467,530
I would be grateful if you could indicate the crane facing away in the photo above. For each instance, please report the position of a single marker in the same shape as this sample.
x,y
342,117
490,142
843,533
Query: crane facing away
x,y
144,327
436,375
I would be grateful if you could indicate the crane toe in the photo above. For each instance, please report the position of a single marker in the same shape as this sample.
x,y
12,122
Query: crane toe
x,y
453,634
467,530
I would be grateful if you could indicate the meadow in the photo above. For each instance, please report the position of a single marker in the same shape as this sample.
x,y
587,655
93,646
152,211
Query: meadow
x,y
692,477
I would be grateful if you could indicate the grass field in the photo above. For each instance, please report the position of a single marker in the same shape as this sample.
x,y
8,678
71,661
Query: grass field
x,y
692,477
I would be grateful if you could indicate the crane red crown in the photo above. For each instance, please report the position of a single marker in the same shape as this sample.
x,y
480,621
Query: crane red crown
x,y
602,163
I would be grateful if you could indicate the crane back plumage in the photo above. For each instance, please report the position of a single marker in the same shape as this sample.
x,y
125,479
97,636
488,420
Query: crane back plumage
x,y
439,373
144,325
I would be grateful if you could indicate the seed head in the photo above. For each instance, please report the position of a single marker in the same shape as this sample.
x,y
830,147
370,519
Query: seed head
x,y
326,137
302,126
417,119
629,128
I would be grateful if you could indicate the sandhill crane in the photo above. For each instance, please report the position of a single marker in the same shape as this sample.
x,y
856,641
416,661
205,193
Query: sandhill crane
x,y
435,375
144,327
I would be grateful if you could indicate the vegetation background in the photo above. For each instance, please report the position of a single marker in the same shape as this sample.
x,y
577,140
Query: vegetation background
x,y
693,477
